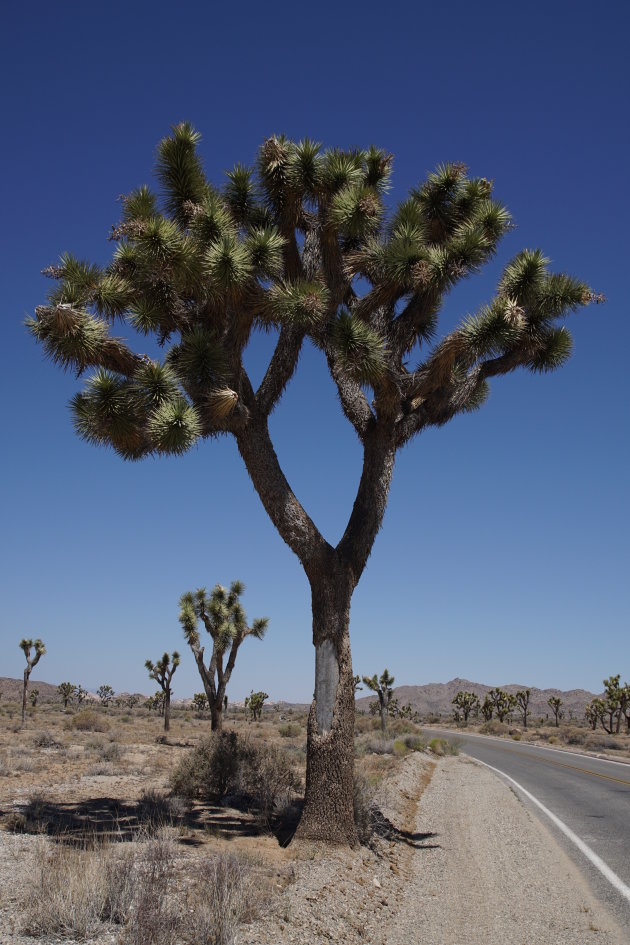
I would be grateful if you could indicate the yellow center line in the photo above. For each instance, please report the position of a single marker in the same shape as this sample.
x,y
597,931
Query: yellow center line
x,y
563,764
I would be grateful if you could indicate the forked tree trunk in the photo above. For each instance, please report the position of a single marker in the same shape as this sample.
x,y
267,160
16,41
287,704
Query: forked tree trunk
x,y
328,803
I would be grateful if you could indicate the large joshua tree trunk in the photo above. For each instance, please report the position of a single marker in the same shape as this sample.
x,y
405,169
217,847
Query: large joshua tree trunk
x,y
333,574
167,711
328,804
216,717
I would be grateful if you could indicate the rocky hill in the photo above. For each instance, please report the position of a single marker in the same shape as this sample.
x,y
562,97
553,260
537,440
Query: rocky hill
x,y
435,698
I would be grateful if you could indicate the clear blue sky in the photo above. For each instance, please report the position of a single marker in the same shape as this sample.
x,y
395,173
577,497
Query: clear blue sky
x,y
504,552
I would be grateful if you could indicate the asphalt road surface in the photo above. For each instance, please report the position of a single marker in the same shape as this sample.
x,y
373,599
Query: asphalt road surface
x,y
589,796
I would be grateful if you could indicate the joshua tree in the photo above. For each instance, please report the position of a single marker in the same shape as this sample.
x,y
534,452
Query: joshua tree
x,y
383,688
162,672
465,702
32,659
592,711
105,694
555,703
302,245
224,618
66,690
33,697
522,701
487,708
200,702
255,702
502,702
80,693
614,703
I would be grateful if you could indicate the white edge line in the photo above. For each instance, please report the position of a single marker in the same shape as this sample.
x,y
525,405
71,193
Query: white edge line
x,y
604,869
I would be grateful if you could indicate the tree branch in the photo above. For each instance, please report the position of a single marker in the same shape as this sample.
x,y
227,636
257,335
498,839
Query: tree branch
x,y
280,370
353,401
370,502
292,522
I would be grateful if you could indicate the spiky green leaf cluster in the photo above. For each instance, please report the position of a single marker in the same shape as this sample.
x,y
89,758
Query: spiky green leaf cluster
x,y
299,240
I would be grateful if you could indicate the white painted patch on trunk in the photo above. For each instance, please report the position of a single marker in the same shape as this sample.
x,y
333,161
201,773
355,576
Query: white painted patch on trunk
x,y
326,683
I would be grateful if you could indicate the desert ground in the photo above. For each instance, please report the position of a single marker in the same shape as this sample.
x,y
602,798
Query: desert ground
x,y
102,840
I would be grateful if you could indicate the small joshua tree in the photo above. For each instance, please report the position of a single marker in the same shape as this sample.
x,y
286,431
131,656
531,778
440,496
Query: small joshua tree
x,y
162,672
223,616
33,697
199,702
555,703
255,702
383,688
105,694
80,694
32,659
465,702
66,690
522,701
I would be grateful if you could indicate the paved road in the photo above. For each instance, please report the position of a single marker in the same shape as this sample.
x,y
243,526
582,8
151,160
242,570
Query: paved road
x,y
589,795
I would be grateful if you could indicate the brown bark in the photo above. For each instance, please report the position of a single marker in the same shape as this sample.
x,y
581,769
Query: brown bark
x,y
216,717
328,803
167,710
24,688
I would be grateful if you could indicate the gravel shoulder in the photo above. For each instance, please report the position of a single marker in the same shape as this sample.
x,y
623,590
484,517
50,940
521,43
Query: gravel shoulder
x,y
471,865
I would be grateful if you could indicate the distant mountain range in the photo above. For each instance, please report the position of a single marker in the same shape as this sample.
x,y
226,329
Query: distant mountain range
x,y
436,698
432,699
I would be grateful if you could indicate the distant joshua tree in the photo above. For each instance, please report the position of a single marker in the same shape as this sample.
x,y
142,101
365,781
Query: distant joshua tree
x,y
200,702
33,697
32,659
487,708
223,616
80,694
105,694
255,702
522,701
502,702
465,702
66,690
383,687
162,672
555,703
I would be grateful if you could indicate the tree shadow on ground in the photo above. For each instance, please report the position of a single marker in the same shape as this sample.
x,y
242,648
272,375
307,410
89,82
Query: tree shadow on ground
x,y
384,828
100,819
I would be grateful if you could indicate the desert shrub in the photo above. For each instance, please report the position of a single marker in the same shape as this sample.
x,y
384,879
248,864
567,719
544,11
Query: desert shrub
x,y
362,723
73,891
223,897
154,917
494,727
364,807
45,740
290,730
415,742
88,720
602,740
400,748
379,746
516,736
575,737
103,769
155,809
444,746
15,822
226,764
266,777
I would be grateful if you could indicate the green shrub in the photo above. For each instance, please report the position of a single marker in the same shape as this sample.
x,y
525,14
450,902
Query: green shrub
x,y
290,730
444,746
415,742
400,748
494,727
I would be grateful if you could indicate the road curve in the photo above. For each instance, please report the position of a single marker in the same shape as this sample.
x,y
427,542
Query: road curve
x,y
590,796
